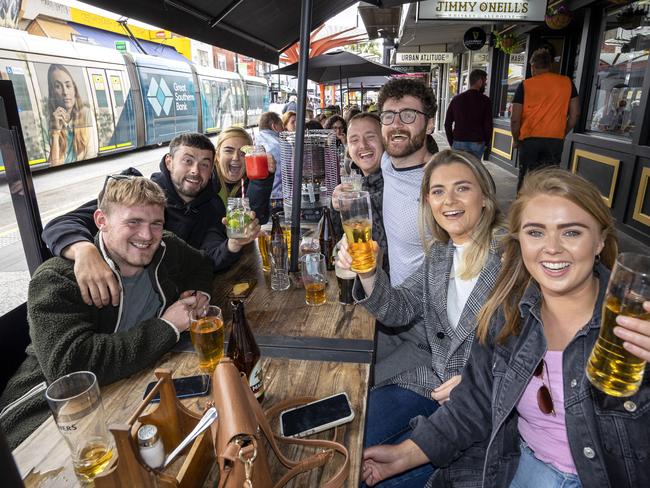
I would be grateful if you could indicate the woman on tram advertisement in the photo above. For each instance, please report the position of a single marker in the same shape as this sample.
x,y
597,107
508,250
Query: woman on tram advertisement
x,y
72,133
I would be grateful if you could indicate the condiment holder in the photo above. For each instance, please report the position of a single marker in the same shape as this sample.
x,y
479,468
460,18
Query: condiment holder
x,y
173,422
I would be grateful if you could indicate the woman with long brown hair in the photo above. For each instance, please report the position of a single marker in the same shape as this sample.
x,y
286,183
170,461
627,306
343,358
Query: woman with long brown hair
x,y
72,134
524,395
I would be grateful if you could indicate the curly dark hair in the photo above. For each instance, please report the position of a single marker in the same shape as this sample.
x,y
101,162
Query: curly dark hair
x,y
332,120
401,87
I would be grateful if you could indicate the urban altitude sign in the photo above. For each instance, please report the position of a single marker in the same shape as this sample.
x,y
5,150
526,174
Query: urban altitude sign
x,y
521,10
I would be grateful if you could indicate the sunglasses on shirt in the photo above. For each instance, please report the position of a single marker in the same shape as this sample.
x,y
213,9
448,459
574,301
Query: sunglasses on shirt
x,y
544,398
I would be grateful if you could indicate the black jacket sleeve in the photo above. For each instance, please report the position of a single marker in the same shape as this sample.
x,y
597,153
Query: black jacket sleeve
x,y
449,123
215,244
259,194
69,228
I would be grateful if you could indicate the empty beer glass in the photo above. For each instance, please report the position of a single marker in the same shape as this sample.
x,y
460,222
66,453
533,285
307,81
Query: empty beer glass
x,y
207,334
356,216
314,278
611,368
79,415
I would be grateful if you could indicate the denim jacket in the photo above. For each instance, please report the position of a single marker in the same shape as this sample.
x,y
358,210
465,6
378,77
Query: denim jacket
x,y
609,437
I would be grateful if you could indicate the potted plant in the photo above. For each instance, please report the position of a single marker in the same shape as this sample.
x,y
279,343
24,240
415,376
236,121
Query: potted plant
x,y
507,43
558,16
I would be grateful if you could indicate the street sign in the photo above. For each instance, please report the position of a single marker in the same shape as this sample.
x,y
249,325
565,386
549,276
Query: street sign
x,y
424,58
520,10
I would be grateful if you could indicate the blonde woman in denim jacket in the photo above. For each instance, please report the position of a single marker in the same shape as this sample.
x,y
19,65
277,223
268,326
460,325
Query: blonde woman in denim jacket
x,y
545,310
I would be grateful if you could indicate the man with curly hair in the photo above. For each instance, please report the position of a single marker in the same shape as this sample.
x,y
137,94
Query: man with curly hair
x,y
407,108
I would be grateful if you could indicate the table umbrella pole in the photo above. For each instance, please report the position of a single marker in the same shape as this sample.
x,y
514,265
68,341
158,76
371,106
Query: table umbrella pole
x,y
341,88
305,30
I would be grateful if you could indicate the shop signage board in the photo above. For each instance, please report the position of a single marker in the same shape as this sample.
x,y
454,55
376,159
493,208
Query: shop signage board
x,y
474,38
424,58
519,10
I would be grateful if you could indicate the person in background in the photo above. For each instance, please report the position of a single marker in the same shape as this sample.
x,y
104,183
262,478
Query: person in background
x,y
338,125
468,123
231,169
73,135
544,109
193,212
366,149
160,276
524,393
270,126
321,118
289,121
354,110
291,105
459,209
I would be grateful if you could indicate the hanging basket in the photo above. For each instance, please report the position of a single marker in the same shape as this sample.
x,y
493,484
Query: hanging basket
x,y
558,21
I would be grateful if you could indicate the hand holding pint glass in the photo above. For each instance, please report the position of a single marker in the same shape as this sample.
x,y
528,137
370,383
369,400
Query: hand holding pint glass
x,y
611,368
79,415
356,216
207,334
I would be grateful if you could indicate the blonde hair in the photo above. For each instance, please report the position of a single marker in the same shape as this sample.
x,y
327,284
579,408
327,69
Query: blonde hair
x,y
286,116
514,278
130,191
491,220
227,133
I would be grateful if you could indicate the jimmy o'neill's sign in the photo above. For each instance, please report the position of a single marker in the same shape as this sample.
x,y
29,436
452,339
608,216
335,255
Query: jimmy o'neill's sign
x,y
424,58
527,10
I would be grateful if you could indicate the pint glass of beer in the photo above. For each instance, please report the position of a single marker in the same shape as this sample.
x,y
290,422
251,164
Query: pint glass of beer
x,y
264,245
314,278
356,216
79,415
345,279
207,334
610,367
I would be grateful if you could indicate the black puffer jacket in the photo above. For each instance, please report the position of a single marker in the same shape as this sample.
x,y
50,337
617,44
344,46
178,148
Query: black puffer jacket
x,y
198,222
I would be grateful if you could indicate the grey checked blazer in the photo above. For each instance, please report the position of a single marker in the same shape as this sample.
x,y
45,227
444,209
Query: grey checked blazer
x,y
422,300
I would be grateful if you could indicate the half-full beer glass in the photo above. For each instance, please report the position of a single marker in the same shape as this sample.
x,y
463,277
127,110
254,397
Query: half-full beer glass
x,y
207,334
356,216
314,278
79,415
611,368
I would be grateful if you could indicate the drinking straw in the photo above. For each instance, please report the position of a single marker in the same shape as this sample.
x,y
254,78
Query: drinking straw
x,y
242,187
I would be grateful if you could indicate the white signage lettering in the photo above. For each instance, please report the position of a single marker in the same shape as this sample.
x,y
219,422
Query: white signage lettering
x,y
424,58
522,10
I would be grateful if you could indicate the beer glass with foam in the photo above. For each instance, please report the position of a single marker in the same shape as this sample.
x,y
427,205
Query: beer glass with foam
x,y
356,216
207,334
314,278
79,415
610,367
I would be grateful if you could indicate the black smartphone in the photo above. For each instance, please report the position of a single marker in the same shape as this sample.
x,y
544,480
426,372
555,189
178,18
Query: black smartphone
x,y
186,387
316,416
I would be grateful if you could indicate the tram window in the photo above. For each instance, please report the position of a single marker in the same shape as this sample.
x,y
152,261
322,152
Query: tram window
x,y
102,99
119,98
20,89
615,107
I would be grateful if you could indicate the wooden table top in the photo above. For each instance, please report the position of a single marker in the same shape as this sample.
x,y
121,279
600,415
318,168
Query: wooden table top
x,y
44,459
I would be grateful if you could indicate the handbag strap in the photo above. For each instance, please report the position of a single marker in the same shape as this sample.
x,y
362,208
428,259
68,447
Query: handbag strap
x,y
311,462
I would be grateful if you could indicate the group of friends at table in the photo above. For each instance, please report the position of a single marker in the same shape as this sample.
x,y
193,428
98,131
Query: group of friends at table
x,y
468,303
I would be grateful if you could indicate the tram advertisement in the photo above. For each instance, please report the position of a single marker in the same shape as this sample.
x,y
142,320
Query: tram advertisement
x,y
71,132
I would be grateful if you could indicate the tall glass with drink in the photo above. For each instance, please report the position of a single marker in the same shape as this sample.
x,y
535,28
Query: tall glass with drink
x,y
610,367
79,415
356,215
238,216
264,246
279,257
257,164
314,278
345,279
207,334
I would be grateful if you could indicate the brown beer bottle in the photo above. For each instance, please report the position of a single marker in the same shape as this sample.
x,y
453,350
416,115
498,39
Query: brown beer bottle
x,y
244,351
327,239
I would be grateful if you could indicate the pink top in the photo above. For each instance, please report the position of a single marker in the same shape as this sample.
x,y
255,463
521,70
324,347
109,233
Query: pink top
x,y
546,434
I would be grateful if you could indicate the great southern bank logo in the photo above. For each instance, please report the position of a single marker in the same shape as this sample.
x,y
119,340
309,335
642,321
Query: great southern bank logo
x,y
160,96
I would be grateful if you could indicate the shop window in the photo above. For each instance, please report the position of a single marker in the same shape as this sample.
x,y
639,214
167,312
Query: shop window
x,y
616,104
516,72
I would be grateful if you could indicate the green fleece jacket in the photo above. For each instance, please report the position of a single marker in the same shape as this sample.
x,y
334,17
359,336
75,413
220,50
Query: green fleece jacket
x,y
68,335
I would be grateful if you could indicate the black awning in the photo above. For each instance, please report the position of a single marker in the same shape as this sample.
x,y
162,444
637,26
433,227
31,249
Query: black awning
x,y
260,29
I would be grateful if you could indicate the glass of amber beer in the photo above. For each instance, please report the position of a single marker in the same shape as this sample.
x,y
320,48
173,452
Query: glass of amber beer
x,y
264,245
356,216
314,278
206,331
610,367
79,415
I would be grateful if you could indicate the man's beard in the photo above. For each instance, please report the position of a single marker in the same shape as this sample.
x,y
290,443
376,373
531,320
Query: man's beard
x,y
414,144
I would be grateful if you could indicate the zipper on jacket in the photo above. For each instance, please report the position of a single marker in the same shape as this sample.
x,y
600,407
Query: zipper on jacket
x,y
111,265
155,273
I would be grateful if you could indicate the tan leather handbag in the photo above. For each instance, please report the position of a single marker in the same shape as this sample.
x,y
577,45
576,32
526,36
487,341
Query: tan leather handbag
x,y
240,431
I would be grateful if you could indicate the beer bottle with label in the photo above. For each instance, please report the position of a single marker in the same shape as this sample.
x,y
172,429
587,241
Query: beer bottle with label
x,y
244,351
327,239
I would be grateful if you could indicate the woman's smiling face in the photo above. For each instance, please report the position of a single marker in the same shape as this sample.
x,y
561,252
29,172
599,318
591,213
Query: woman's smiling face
x,y
231,159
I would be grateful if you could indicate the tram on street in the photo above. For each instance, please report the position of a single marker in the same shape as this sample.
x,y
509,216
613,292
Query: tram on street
x,y
79,101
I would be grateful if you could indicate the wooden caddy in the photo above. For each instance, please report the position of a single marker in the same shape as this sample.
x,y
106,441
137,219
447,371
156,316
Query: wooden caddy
x,y
174,423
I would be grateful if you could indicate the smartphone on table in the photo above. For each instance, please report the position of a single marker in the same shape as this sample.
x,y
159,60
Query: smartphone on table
x,y
316,416
186,387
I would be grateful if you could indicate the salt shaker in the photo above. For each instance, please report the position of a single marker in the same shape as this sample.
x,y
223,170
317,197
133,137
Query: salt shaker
x,y
152,450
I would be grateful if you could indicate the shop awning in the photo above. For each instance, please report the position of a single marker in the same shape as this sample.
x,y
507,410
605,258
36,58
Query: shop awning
x,y
51,29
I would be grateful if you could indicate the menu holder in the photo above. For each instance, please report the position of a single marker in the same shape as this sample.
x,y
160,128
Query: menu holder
x,y
174,422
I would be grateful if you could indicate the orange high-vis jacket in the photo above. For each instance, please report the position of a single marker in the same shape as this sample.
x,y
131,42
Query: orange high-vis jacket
x,y
546,106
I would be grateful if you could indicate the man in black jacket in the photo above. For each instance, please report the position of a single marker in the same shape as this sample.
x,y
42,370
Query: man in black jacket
x,y
193,213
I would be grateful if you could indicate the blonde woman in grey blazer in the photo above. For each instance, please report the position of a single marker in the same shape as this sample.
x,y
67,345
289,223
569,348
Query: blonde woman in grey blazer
x,y
458,207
